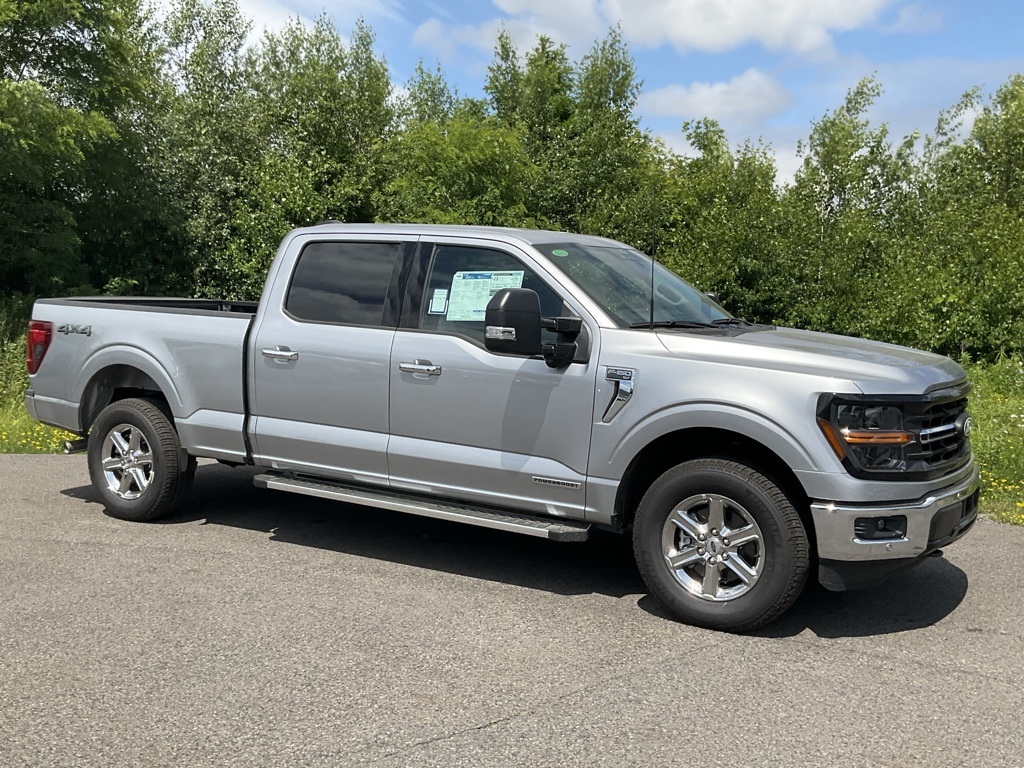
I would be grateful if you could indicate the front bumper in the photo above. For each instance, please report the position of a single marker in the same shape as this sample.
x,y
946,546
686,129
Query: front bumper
x,y
939,519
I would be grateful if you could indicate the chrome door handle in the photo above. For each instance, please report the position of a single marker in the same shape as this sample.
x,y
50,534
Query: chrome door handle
x,y
422,367
282,354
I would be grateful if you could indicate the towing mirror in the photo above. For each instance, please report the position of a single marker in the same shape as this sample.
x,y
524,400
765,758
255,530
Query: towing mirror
x,y
512,322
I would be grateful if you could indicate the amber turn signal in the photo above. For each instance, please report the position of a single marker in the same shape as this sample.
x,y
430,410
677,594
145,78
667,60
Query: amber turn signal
x,y
833,439
876,437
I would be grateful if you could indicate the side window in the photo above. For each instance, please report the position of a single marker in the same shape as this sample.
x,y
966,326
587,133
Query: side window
x,y
462,280
340,282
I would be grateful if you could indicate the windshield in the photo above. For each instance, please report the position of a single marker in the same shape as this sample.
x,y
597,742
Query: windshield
x,y
618,278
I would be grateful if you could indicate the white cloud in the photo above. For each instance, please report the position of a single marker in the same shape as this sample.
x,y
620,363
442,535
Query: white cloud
x,y
787,163
746,99
802,26
267,14
274,14
915,19
575,22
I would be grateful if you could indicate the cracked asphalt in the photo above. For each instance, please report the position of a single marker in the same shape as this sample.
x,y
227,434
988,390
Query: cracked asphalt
x,y
262,629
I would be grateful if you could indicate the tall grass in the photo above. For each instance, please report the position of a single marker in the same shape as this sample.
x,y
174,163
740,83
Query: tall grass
x,y
997,404
19,433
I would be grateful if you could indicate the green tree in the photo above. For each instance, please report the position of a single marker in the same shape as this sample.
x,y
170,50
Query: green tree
x,y
207,140
469,170
851,202
721,218
321,113
971,243
76,74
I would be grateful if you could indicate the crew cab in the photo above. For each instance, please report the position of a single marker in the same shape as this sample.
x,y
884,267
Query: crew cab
x,y
541,383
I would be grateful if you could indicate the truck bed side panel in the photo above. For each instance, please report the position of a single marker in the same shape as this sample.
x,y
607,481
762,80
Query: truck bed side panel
x,y
193,356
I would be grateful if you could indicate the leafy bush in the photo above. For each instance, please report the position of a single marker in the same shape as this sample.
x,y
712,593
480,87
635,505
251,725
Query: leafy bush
x,y
997,405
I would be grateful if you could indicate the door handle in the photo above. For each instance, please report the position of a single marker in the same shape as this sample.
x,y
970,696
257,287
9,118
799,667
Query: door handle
x,y
421,367
282,354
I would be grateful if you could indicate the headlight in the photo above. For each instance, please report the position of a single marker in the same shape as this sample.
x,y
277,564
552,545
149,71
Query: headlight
x,y
869,436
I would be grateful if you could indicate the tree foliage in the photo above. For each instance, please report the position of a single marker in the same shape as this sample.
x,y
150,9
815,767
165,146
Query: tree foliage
x,y
169,151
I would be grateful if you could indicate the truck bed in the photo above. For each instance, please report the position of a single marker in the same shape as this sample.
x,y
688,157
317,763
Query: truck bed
x,y
190,350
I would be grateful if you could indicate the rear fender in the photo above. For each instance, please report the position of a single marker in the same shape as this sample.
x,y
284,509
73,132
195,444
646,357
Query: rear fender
x,y
127,357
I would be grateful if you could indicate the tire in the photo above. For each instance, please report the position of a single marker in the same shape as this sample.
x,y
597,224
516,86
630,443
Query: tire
x,y
136,462
753,560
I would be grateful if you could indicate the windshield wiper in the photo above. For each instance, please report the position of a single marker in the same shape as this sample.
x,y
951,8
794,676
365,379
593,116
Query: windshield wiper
x,y
731,321
672,324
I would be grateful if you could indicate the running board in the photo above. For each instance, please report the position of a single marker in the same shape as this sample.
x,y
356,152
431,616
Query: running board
x,y
543,527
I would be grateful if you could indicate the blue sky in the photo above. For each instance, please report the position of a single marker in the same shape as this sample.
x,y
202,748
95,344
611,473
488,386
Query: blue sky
x,y
763,68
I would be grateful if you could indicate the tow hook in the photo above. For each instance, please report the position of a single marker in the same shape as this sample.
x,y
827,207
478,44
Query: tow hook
x,y
76,446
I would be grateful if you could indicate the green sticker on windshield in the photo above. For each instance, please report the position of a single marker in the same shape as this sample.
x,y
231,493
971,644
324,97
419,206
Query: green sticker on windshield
x,y
559,252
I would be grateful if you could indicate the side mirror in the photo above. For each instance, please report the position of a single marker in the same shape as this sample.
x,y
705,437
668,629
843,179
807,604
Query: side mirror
x,y
512,322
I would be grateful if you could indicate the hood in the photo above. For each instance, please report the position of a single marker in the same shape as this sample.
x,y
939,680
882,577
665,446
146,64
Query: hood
x,y
875,367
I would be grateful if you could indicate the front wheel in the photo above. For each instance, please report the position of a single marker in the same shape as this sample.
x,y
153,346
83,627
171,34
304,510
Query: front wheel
x,y
136,462
721,545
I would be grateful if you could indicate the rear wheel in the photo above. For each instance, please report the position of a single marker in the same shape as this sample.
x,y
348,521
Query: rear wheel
x,y
136,462
721,545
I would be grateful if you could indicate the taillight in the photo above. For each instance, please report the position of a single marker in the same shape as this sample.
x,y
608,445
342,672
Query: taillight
x,y
39,334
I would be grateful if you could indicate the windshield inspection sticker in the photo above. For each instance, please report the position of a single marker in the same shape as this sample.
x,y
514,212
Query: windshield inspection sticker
x,y
438,302
472,290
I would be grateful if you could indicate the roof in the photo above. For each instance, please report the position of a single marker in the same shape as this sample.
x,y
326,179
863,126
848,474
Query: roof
x,y
529,236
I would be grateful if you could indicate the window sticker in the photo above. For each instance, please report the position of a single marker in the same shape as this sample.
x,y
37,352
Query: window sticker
x,y
438,302
472,290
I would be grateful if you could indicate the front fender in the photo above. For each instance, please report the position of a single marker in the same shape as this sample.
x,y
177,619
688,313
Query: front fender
x,y
748,423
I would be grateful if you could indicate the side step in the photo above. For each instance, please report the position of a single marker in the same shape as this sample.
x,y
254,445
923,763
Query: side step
x,y
543,527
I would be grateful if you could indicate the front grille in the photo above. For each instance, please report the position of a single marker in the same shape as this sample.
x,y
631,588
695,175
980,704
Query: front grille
x,y
940,444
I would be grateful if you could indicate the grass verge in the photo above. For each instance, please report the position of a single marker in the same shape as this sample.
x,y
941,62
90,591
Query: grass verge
x,y
997,405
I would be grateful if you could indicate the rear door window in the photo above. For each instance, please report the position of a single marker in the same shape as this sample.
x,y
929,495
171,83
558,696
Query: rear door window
x,y
342,282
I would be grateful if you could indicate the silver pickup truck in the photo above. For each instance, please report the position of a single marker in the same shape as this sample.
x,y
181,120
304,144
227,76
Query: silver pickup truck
x,y
536,382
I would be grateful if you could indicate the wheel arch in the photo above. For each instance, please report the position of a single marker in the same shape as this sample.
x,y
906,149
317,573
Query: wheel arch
x,y
117,376
673,448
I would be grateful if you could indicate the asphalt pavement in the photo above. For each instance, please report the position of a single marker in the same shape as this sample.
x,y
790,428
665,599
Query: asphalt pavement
x,y
259,628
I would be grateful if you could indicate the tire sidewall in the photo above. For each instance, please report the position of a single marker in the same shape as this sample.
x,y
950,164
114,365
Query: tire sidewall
x,y
694,478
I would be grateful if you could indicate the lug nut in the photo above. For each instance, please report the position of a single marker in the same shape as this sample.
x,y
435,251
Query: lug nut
x,y
700,551
714,531
725,556
726,542
701,536
712,561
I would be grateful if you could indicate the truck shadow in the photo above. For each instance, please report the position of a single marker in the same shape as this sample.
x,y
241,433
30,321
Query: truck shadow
x,y
914,599
226,496
603,565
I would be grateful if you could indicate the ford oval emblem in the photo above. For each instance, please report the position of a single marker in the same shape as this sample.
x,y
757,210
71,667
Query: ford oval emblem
x,y
964,424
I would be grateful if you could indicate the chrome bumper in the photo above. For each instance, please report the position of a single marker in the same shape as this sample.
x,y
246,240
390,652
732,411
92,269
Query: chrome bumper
x,y
833,524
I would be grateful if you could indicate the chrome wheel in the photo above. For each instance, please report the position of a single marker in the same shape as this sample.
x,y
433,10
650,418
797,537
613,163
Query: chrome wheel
x,y
127,461
713,547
